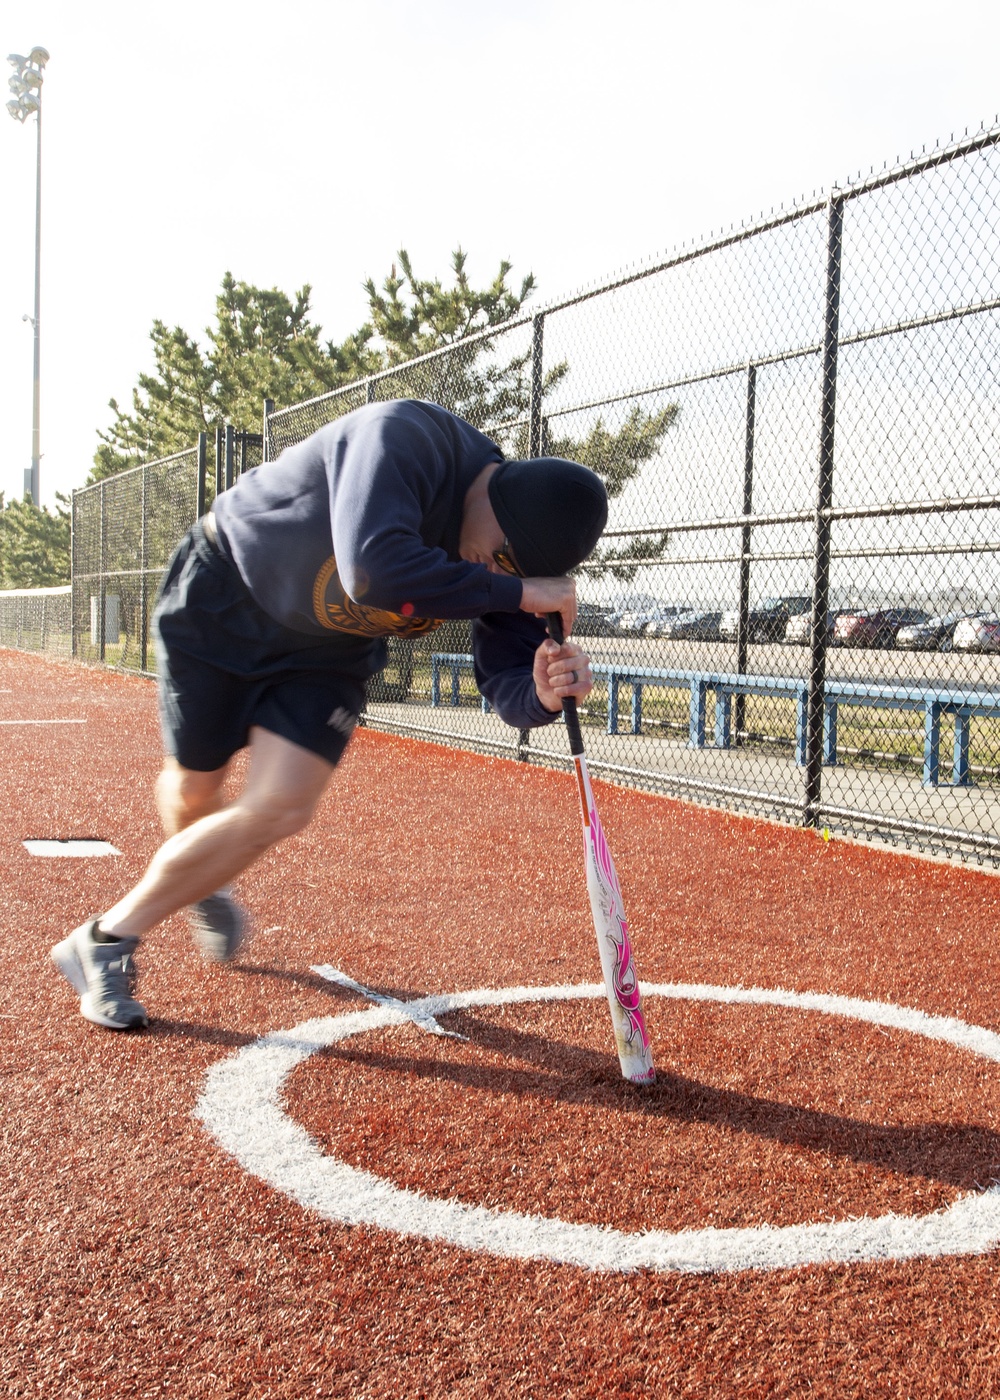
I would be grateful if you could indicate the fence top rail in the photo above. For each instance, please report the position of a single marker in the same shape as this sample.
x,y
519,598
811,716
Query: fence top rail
x,y
443,352
131,471
916,165
60,591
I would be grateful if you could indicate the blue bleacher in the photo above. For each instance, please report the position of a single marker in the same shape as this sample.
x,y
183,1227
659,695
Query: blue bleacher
x,y
934,704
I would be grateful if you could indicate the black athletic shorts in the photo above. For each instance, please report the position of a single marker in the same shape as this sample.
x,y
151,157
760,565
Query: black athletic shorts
x,y
224,665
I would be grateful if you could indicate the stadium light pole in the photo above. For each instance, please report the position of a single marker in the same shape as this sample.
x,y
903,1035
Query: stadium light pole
x,y
26,85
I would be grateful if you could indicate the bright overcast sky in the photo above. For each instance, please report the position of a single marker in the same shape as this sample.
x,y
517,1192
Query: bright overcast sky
x,y
307,141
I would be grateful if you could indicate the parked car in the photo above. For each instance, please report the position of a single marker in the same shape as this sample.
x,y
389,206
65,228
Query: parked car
x,y
634,621
978,633
799,630
936,634
877,628
693,626
768,622
593,620
661,619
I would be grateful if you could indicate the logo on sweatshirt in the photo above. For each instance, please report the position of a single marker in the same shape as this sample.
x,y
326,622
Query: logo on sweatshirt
x,y
335,610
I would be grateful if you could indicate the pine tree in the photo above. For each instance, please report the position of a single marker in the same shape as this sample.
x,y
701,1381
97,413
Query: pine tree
x,y
264,345
431,316
34,544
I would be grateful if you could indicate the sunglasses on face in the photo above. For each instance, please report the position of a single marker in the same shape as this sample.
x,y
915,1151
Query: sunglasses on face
x,y
504,559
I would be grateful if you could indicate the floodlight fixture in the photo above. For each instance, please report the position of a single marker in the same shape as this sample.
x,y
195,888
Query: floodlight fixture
x,y
22,108
26,85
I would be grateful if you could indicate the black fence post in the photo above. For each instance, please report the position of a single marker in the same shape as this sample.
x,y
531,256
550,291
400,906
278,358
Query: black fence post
x,y
370,391
202,474
535,425
230,439
816,705
220,476
73,602
102,590
265,446
743,617
143,580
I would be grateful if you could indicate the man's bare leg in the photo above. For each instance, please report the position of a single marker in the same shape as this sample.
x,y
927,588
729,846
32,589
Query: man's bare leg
x,y
183,795
283,786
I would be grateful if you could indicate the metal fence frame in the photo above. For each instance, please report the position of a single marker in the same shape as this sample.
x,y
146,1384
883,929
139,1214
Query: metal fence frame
x,y
37,619
535,416
814,808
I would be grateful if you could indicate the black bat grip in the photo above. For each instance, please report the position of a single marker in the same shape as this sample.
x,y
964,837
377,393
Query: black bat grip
x,y
570,715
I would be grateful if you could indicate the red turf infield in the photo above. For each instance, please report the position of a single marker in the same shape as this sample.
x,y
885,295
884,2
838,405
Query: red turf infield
x,y
138,1259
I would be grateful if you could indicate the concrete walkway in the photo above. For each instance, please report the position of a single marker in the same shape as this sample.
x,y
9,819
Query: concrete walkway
x,y
752,779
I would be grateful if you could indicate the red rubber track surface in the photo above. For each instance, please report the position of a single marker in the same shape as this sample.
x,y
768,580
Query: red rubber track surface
x,y
138,1259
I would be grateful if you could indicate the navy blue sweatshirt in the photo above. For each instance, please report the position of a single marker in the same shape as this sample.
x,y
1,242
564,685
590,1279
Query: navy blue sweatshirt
x,y
356,531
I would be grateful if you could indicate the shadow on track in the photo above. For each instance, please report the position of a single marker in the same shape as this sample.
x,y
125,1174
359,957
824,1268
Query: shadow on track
x,y
963,1155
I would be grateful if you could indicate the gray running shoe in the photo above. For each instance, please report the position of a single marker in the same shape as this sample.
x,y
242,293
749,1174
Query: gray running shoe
x,y
104,975
218,924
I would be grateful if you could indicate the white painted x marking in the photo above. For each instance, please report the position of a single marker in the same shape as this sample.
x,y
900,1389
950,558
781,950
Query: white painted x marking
x,y
420,1018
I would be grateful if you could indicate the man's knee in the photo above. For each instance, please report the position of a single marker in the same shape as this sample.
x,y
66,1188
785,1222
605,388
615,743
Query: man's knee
x,y
279,813
187,793
284,785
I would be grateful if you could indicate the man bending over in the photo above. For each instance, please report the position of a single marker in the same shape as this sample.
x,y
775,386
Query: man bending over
x,y
271,618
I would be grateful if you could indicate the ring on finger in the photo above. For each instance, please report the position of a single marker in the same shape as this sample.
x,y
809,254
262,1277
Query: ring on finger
x,y
575,678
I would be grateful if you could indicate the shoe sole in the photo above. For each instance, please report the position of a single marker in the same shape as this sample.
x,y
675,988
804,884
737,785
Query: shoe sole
x,y
89,1014
67,960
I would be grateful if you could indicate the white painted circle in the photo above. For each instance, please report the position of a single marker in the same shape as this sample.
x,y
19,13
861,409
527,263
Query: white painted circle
x,y
241,1106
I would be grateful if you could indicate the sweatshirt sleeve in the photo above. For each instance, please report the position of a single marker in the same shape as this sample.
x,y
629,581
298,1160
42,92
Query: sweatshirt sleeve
x,y
504,647
388,485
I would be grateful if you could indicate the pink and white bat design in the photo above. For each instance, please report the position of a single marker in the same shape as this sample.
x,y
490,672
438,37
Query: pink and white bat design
x,y
608,909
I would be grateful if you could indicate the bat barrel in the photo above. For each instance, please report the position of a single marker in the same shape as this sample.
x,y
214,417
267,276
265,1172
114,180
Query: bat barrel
x,y
627,1018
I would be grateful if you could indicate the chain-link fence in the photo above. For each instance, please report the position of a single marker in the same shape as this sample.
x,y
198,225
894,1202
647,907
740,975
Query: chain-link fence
x,y
794,610
799,425
37,619
125,528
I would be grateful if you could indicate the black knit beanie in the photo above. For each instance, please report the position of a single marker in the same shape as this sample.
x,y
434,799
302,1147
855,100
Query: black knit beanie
x,y
552,512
